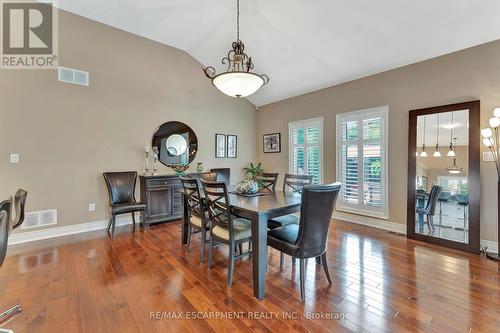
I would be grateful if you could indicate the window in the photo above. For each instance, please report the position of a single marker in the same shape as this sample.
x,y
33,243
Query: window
x,y
306,148
362,161
454,185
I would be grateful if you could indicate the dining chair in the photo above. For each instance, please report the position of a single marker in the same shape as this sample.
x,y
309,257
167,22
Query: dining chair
x,y
12,213
197,214
267,181
293,184
223,174
463,201
309,238
121,191
225,227
430,208
18,206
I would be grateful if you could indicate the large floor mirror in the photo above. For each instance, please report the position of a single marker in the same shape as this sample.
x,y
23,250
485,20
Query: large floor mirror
x,y
443,175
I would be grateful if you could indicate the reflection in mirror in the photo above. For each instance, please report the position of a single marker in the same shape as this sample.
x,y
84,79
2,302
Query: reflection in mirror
x,y
177,144
442,157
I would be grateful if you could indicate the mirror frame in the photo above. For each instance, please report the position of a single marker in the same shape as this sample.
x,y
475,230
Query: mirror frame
x,y
473,179
192,144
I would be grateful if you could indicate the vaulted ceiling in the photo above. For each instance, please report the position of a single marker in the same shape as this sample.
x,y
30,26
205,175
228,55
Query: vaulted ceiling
x,y
305,45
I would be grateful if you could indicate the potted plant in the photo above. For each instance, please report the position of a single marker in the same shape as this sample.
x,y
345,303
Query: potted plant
x,y
252,170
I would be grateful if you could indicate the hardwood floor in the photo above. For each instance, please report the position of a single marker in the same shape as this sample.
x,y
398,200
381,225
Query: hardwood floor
x,y
381,283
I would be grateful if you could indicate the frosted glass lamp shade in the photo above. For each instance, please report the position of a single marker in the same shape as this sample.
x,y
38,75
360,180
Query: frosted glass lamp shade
x,y
238,84
486,132
496,112
494,122
487,142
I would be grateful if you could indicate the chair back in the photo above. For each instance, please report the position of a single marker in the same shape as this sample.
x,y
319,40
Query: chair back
x,y
192,196
430,208
316,210
462,200
4,234
223,175
6,205
267,181
203,175
295,183
18,208
218,205
121,186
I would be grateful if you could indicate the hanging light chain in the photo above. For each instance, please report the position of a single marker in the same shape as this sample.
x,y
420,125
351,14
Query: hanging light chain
x,y
237,20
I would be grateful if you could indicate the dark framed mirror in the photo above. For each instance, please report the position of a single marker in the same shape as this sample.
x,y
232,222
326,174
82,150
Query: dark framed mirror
x,y
443,176
176,144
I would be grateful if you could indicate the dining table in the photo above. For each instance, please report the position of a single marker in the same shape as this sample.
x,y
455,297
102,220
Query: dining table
x,y
258,209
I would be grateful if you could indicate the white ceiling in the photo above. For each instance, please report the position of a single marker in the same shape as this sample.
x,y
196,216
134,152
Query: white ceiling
x,y
460,124
305,45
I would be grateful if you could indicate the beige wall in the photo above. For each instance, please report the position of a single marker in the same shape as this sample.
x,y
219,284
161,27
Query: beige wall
x,y
67,135
466,75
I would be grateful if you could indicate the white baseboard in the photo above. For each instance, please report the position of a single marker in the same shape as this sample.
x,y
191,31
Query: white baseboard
x,y
394,227
35,235
370,222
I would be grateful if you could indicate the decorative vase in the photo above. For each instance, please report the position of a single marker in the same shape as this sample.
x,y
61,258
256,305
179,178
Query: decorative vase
x,y
199,167
247,186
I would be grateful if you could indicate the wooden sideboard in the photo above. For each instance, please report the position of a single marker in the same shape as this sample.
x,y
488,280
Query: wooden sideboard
x,y
162,195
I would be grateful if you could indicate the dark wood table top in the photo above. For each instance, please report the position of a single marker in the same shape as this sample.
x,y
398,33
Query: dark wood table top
x,y
265,203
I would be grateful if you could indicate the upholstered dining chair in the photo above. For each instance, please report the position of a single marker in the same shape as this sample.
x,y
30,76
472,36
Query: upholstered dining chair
x,y
12,212
309,238
197,214
430,208
225,227
223,174
294,184
267,181
121,191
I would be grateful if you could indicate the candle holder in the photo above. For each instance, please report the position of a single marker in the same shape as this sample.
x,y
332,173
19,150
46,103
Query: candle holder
x,y
155,159
146,166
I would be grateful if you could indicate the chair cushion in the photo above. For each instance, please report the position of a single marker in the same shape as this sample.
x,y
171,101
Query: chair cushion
x,y
242,228
283,239
282,221
196,220
123,208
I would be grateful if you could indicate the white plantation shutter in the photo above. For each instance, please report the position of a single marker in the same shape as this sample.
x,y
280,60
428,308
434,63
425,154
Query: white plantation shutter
x,y
306,139
362,161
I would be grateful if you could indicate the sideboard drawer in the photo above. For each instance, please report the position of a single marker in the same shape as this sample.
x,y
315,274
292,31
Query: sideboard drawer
x,y
160,182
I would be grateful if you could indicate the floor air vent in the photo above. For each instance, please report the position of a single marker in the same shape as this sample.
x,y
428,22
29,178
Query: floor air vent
x,y
39,219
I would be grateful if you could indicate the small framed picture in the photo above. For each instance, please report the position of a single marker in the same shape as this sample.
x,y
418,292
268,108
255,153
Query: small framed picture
x,y
220,145
232,146
272,143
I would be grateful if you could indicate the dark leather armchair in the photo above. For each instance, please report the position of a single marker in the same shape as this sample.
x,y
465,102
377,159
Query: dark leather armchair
x,y
223,175
9,207
309,238
121,191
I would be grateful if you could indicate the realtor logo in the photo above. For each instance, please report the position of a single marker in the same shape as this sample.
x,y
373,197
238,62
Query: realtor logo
x,y
28,34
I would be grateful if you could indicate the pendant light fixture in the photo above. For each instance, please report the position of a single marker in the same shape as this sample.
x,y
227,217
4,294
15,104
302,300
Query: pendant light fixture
x,y
238,80
424,151
437,153
451,151
454,168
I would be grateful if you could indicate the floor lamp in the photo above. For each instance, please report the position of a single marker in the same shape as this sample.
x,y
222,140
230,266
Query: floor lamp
x,y
491,140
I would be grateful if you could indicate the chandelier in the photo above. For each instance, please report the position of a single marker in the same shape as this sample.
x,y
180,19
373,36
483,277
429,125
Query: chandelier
x,y
238,80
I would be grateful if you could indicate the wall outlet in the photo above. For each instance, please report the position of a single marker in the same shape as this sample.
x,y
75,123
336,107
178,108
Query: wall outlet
x,y
14,158
91,207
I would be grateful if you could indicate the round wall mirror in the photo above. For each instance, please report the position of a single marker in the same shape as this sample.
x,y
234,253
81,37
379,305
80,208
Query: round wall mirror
x,y
177,144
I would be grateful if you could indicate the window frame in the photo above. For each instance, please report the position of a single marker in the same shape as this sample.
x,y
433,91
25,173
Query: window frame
x,y
360,115
313,122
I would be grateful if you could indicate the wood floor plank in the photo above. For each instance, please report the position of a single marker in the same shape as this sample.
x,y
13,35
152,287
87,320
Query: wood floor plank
x,y
147,282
